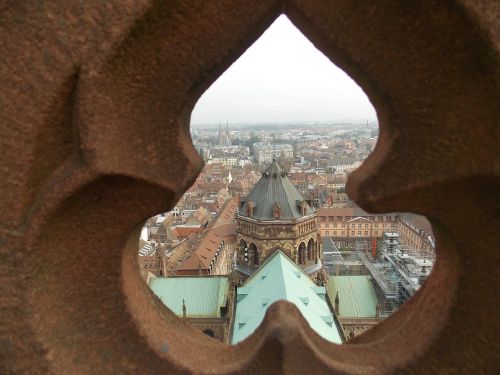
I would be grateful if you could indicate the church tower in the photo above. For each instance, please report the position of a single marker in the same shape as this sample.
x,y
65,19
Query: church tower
x,y
224,138
275,216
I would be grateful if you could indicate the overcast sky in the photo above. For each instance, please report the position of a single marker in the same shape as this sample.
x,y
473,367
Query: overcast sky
x,y
282,77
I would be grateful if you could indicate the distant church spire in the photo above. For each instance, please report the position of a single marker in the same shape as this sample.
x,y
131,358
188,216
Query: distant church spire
x,y
224,136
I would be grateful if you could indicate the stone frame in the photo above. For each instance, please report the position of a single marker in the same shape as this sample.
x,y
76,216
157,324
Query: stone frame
x,y
85,86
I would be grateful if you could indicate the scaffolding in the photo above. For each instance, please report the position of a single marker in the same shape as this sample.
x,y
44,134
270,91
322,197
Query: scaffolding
x,y
340,263
397,272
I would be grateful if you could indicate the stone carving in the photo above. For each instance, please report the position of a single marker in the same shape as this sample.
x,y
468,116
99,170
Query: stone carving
x,y
87,84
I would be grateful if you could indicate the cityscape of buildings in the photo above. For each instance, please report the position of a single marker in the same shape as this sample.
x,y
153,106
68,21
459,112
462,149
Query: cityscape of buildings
x,y
268,219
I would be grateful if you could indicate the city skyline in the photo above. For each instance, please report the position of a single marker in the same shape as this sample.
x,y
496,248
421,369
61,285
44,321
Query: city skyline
x,y
282,78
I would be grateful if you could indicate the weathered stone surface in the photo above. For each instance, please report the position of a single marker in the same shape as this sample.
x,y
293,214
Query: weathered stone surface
x,y
94,113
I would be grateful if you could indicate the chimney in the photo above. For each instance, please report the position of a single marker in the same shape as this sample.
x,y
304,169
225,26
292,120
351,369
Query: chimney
x,y
184,315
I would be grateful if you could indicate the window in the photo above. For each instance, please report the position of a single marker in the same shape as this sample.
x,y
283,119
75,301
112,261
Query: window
x,y
353,226
343,232
359,225
327,233
353,233
335,225
366,233
366,225
359,233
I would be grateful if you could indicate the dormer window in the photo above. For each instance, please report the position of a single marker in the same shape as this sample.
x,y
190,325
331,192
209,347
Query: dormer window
x,y
276,211
250,207
303,208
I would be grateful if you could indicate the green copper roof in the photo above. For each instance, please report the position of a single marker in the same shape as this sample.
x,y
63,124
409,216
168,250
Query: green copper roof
x,y
356,296
204,296
274,187
281,279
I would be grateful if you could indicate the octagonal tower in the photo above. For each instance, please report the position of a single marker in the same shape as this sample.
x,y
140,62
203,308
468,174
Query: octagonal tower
x,y
274,216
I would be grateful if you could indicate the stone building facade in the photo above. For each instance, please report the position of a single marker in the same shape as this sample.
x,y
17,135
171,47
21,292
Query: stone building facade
x,y
353,223
415,233
265,152
350,225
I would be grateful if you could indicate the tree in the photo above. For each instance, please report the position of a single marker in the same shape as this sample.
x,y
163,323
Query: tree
x,y
253,139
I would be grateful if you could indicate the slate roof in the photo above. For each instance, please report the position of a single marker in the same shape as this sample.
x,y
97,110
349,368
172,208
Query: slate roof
x,y
357,297
203,296
275,187
279,278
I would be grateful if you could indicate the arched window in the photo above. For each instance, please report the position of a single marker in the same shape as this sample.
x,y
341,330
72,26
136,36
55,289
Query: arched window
x,y
253,254
302,253
310,249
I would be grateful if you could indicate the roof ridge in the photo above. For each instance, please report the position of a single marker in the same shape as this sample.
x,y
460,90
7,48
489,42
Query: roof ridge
x,y
282,273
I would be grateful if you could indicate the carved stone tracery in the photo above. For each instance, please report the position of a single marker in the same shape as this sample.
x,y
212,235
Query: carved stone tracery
x,y
95,106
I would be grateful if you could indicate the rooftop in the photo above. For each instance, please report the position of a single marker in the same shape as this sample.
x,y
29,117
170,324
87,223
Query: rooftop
x,y
221,230
203,296
274,187
356,296
281,279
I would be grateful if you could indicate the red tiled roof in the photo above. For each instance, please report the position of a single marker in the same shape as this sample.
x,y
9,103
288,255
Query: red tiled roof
x,y
184,231
222,229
